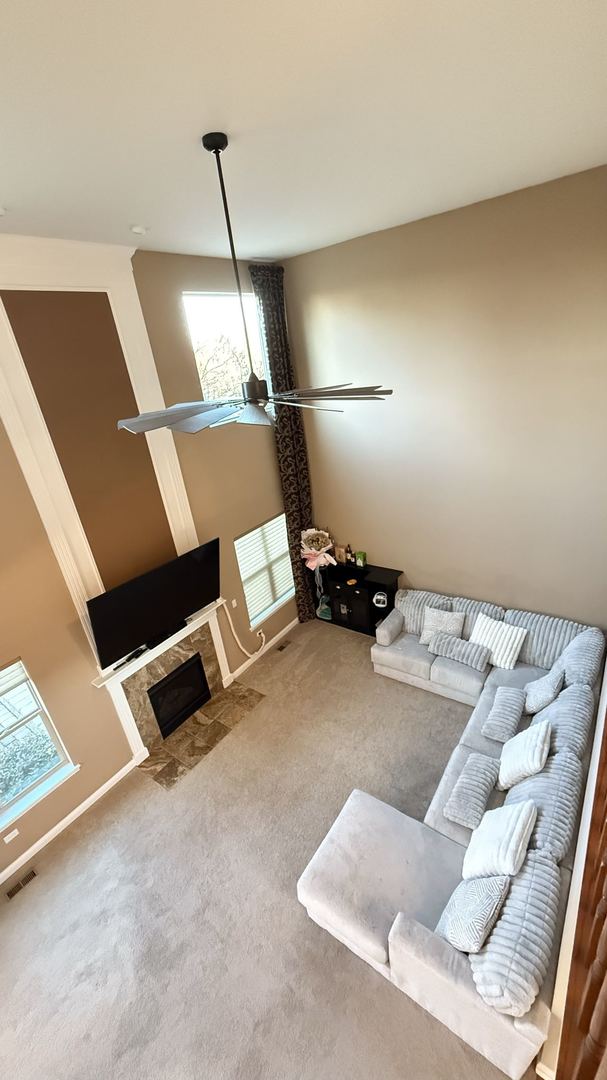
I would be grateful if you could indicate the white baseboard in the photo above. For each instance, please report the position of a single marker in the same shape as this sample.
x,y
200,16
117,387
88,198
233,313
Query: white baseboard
x,y
63,824
135,760
260,652
545,1072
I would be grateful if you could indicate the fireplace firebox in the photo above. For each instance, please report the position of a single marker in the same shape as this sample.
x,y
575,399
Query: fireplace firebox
x,y
179,694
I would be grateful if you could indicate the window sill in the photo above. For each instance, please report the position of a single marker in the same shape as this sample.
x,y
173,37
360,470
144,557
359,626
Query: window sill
x,y
44,788
272,610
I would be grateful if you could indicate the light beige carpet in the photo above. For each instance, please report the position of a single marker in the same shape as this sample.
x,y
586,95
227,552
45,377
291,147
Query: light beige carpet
x,y
162,938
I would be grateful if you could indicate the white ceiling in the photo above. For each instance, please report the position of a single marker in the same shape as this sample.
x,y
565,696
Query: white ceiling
x,y
346,116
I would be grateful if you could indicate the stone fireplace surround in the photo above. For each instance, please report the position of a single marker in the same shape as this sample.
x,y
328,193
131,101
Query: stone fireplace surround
x,y
128,685
137,685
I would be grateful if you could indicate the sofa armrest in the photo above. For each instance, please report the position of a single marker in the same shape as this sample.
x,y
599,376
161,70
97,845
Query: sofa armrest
x,y
413,948
439,978
389,628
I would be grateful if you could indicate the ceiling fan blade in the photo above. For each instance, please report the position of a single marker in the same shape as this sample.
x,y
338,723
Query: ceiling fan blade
x,y
192,424
151,421
255,414
338,394
303,405
333,397
307,389
229,419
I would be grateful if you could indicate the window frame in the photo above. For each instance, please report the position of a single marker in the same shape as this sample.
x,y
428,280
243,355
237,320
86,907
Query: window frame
x,y
284,598
27,794
247,295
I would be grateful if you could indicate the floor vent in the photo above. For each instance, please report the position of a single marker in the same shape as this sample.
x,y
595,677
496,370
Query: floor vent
x,y
19,885
283,645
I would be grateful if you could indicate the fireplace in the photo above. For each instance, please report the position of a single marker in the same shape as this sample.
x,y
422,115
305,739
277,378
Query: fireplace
x,y
179,694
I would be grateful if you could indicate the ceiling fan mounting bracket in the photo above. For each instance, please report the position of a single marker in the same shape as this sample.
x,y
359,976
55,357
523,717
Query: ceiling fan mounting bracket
x,y
215,141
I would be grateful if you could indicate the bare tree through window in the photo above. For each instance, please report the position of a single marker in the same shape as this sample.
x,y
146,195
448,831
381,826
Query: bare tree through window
x,y
215,325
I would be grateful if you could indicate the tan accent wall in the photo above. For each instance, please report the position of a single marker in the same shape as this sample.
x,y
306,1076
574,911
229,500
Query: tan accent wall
x,y
38,622
484,474
74,359
230,473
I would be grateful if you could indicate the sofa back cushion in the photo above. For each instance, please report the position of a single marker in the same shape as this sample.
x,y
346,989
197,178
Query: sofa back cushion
x,y
412,602
570,717
511,967
546,637
472,609
581,659
556,792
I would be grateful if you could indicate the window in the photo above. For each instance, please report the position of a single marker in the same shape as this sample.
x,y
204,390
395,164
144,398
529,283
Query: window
x,y
265,568
32,756
215,324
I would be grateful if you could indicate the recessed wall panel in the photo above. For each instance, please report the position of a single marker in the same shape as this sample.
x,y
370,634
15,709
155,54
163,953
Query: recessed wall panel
x,y
70,346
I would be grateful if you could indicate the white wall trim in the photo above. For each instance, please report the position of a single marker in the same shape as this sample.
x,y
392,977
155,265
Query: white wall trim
x,y
71,817
35,263
266,648
132,331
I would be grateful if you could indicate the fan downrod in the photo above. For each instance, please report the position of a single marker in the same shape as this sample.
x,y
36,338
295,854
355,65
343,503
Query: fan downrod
x,y
215,141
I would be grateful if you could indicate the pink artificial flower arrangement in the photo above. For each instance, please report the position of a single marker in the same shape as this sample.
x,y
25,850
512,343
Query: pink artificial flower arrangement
x,y
315,547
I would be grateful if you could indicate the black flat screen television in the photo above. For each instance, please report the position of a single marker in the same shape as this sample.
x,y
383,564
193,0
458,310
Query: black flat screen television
x,y
153,606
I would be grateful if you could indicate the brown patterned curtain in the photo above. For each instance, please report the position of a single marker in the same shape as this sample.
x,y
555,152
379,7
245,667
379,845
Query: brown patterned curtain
x,y
268,286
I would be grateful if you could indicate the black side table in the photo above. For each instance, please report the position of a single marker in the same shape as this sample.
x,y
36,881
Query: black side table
x,y
363,604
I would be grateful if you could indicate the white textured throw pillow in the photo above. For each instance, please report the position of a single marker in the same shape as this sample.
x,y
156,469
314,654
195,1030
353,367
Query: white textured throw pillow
x,y
499,845
471,912
524,755
447,622
542,692
504,640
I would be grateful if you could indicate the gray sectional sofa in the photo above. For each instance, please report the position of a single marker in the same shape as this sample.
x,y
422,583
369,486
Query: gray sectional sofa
x,y
380,880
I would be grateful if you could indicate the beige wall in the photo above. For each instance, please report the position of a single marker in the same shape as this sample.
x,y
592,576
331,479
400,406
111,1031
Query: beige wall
x,y
230,473
38,622
484,473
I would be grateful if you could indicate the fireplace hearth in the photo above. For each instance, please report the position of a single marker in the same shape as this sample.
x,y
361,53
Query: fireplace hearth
x,y
179,694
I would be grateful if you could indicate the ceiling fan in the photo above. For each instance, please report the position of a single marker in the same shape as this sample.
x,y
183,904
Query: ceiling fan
x,y
250,406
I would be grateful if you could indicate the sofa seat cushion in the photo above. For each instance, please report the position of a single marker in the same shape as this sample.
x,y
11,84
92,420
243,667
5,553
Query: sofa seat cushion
x,y
519,675
546,636
373,863
456,676
405,654
434,814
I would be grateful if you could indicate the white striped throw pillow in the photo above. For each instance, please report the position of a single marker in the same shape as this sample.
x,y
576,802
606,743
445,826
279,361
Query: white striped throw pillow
x,y
504,640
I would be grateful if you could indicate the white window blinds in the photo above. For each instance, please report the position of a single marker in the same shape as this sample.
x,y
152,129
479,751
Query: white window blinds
x,y
265,568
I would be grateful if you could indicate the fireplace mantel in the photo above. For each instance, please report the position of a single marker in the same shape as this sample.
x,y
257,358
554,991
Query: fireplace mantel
x,y
112,679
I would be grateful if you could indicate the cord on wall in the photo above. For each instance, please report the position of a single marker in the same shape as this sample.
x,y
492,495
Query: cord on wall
x,y
260,635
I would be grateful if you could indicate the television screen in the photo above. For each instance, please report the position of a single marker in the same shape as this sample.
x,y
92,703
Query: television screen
x,y
152,606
